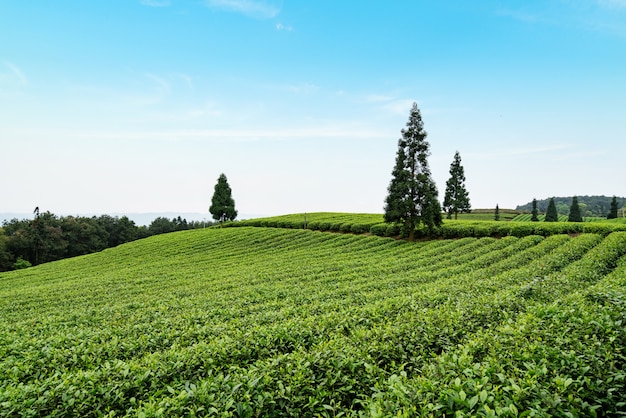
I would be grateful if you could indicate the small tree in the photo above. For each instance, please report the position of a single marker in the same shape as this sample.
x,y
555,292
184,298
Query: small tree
x,y
551,214
222,204
574,211
535,212
412,193
613,211
496,216
456,198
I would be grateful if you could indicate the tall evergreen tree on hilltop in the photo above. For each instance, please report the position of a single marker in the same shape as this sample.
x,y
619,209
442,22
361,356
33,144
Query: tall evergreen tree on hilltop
x,y
551,213
535,212
613,211
574,211
222,204
456,198
412,193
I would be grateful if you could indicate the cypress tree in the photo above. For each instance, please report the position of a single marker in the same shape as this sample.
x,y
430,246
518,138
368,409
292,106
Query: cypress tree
x,y
551,214
412,193
222,204
574,211
535,212
456,198
613,211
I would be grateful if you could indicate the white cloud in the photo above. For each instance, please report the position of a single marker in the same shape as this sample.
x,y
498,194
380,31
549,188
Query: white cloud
x,y
280,26
305,88
155,3
377,98
401,106
616,4
251,8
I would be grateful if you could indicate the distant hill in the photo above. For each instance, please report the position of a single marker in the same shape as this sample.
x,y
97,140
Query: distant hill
x,y
589,205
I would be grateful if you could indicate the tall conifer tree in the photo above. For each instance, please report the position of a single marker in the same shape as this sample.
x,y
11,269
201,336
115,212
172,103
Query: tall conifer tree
x,y
551,213
574,211
456,198
535,212
613,211
222,204
412,193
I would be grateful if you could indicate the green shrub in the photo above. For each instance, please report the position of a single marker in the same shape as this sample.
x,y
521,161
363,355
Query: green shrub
x,y
359,228
393,230
324,226
20,263
313,225
378,229
345,227
336,226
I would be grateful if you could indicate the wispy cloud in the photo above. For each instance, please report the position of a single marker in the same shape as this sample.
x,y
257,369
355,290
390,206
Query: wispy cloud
x,y
155,3
252,8
553,151
613,4
163,86
16,73
280,26
305,88
400,106
378,98
330,131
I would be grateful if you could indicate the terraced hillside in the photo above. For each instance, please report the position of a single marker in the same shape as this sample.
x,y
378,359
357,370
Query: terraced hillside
x,y
282,322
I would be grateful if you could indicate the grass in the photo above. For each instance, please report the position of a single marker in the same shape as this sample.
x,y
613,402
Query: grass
x,y
285,322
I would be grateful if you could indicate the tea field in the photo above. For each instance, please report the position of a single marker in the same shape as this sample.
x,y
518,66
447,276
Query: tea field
x,y
264,322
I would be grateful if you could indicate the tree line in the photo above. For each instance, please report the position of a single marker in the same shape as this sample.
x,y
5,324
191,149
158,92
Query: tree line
x,y
597,206
48,237
412,196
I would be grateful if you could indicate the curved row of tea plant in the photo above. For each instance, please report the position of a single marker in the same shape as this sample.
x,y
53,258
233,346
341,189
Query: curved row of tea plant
x,y
319,221
372,223
276,322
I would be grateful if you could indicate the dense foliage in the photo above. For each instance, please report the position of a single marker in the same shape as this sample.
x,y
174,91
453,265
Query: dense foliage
x,y
597,206
274,322
373,223
535,212
613,210
412,193
48,237
456,198
222,203
551,212
574,211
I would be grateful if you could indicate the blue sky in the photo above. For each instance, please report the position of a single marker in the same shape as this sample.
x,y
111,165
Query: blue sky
x,y
139,105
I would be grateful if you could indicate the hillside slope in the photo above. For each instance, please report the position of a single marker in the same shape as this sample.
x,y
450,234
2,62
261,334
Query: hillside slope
x,y
278,322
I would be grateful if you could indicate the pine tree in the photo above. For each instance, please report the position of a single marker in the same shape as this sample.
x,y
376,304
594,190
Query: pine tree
x,y
551,213
496,216
574,211
613,211
412,193
222,204
535,212
456,198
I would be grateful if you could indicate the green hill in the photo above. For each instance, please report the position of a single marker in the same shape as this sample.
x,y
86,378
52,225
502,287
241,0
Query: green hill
x,y
284,322
591,206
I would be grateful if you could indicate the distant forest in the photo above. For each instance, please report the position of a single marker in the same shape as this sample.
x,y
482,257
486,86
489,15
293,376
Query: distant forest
x,y
48,237
589,205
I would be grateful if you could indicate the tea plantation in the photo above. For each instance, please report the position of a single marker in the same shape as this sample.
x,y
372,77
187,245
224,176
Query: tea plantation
x,y
264,322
